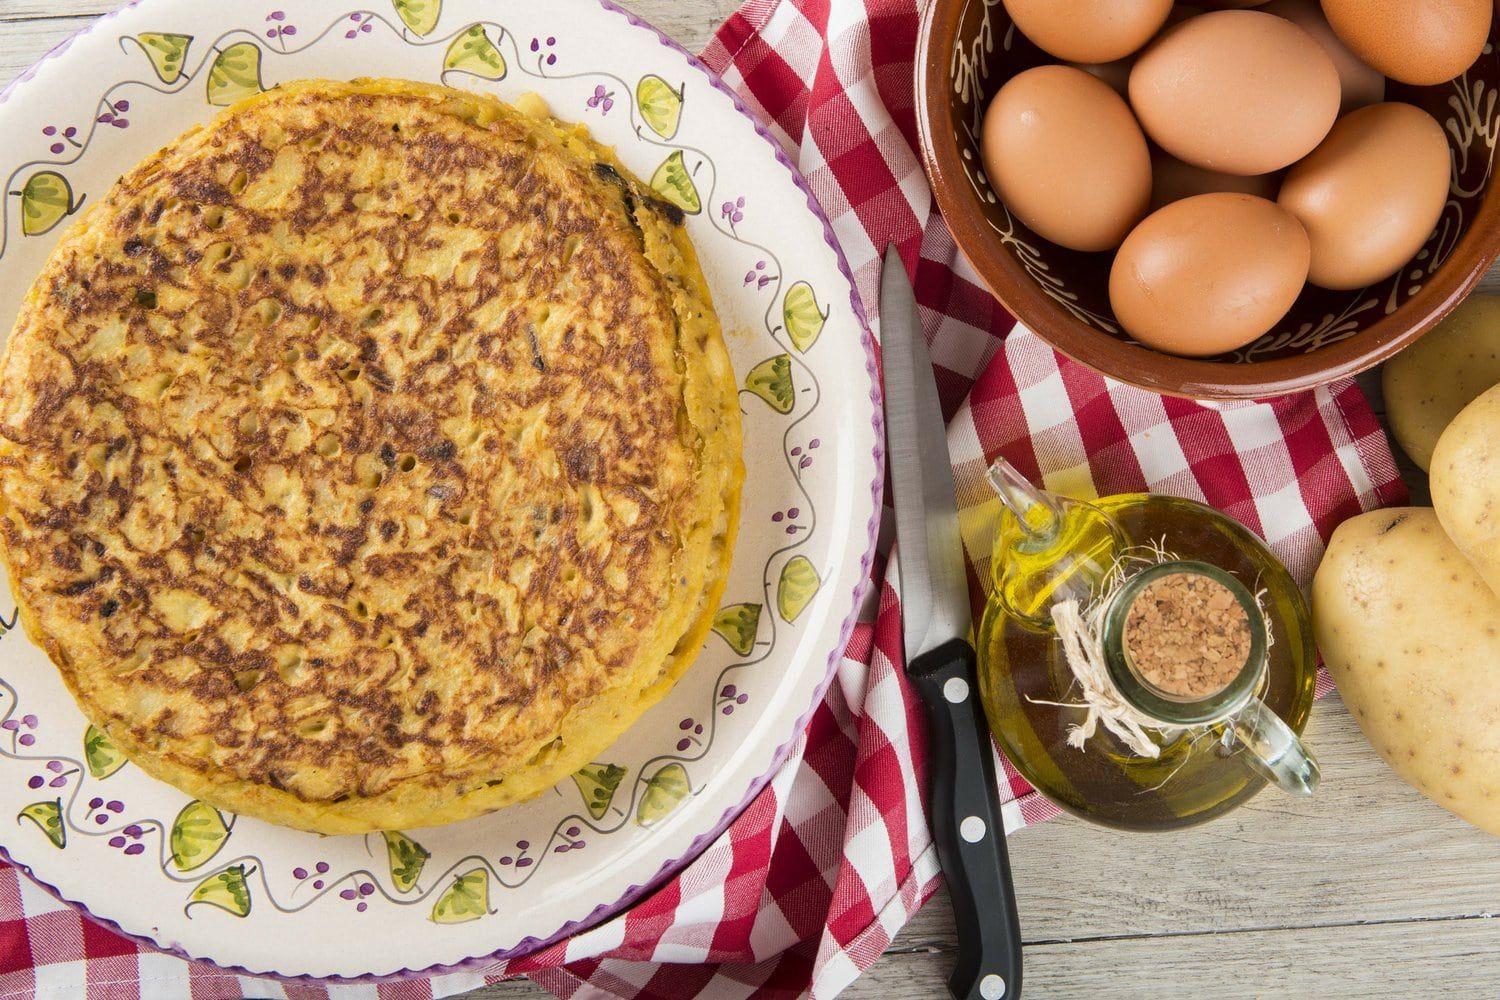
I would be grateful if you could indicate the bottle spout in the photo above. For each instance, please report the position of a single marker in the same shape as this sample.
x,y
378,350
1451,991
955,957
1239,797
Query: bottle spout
x,y
1037,511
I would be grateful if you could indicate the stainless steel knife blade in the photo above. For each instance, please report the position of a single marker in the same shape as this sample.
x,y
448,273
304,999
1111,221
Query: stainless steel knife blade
x,y
934,584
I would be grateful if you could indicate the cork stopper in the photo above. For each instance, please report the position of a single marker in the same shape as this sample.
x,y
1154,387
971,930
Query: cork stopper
x,y
1187,636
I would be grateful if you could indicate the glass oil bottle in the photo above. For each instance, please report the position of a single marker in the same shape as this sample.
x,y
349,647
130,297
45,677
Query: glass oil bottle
x,y
1212,754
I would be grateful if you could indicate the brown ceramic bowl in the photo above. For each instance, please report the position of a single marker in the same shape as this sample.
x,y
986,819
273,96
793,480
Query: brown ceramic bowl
x,y
968,48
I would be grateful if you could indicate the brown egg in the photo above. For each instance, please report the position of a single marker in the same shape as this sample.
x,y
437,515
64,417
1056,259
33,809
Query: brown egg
x,y
1172,180
1236,91
1359,82
1089,31
1208,274
1370,195
1117,73
1065,155
1422,42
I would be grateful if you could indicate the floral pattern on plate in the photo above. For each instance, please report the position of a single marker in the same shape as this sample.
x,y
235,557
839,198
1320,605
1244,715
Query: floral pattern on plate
x,y
191,878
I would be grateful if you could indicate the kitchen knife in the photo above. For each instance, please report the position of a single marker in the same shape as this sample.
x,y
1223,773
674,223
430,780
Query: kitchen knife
x,y
962,798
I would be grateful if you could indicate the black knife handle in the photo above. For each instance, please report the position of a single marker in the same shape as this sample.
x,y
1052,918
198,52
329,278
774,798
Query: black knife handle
x,y
966,825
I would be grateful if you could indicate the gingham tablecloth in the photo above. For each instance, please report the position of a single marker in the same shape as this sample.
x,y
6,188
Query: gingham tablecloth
x,y
808,887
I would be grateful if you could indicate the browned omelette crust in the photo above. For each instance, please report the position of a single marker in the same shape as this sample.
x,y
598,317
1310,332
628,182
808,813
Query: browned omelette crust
x,y
370,456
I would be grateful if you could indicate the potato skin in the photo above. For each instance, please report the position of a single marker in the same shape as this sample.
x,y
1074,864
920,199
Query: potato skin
x,y
1465,479
1412,635
1427,384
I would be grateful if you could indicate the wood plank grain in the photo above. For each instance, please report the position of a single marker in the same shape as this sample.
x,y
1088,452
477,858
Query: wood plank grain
x,y
23,43
1365,847
1351,962
35,10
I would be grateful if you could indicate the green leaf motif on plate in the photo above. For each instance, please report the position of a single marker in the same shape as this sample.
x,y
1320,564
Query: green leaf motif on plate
x,y
672,182
235,75
46,199
421,16
803,318
100,753
166,52
661,106
597,783
737,625
771,380
48,818
407,858
468,898
226,890
665,791
799,582
197,835
473,52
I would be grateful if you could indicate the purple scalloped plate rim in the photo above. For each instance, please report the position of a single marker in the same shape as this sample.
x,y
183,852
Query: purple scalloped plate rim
x,y
604,911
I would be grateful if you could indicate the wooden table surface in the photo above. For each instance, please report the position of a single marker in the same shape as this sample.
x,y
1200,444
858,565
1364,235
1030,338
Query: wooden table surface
x,y
1366,889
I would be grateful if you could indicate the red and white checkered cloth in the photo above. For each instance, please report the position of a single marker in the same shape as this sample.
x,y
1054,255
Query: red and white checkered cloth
x,y
808,887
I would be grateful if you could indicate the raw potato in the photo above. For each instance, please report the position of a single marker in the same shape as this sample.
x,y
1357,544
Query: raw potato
x,y
1465,477
1430,382
1412,635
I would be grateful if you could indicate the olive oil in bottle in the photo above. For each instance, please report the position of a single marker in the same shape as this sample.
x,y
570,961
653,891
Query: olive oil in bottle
x,y
1051,549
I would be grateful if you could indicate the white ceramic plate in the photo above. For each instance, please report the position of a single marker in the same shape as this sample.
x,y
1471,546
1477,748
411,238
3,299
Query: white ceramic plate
x,y
139,855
